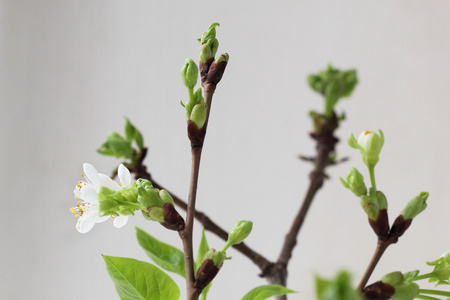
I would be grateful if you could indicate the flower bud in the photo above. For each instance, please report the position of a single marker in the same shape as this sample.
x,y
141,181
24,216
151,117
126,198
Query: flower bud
x,y
198,114
369,144
172,219
189,73
355,183
218,257
209,44
148,196
210,34
212,262
374,203
205,53
238,233
378,291
165,196
415,206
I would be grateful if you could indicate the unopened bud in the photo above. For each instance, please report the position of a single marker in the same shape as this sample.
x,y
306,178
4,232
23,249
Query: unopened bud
x,y
238,233
198,114
205,53
165,196
148,196
369,144
189,73
355,183
415,206
373,203
172,219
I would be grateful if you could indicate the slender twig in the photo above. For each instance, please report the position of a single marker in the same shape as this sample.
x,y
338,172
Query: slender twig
x,y
186,234
325,145
379,250
196,136
316,183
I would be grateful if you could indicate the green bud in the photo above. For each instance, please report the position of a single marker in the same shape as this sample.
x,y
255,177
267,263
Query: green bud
x,y
373,203
210,34
393,278
222,58
209,44
205,53
355,183
198,114
148,196
165,196
154,214
189,73
415,206
405,289
214,45
218,257
194,99
238,233
369,144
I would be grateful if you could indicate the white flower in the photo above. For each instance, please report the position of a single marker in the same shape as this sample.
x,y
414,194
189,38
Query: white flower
x,y
87,209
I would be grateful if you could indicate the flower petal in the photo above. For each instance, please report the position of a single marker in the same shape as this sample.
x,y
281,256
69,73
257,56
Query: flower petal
x,y
99,219
91,175
86,222
120,221
87,192
124,175
106,181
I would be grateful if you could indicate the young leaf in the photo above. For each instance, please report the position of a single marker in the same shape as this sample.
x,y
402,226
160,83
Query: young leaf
x,y
202,249
138,280
265,291
132,133
164,255
205,291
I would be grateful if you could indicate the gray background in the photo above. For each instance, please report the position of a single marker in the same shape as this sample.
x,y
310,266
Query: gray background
x,y
71,70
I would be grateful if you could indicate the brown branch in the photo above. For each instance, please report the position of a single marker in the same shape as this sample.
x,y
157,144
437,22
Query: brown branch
x,y
379,251
186,234
325,145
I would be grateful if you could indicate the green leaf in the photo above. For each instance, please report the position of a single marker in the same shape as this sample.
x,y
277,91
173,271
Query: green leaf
x,y
130,130
116,146
202,249
265,291
164,255
339,288
132,133
138,280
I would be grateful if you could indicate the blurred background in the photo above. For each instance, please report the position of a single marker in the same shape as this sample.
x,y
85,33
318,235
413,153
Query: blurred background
x,y
71,70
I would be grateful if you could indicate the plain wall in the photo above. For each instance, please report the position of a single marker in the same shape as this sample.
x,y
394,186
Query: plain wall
x,y
71,70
